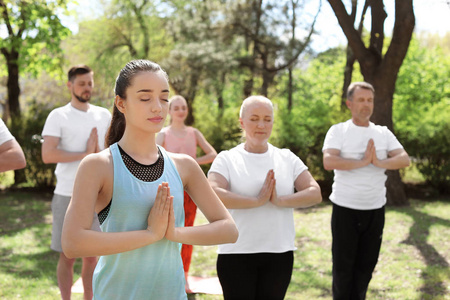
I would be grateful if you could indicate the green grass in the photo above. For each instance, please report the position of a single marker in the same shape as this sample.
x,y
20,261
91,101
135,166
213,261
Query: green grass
x,y
413,264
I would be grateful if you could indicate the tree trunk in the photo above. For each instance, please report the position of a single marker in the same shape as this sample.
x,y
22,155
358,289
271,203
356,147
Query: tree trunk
x,y
382,115
248,84
268,78
187,87
395,189
14,105
348,72
290,89
13,83
248,87
191,93
219,86
18,132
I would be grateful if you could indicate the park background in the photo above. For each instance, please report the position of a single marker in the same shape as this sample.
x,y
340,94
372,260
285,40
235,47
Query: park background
x,y
216,53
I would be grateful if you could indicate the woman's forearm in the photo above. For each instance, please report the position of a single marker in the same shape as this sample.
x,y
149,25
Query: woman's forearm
x,y
218,232
232,200
85,243
302,199
206,159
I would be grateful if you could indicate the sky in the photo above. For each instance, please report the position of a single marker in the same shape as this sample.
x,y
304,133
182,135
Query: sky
x,y
432,16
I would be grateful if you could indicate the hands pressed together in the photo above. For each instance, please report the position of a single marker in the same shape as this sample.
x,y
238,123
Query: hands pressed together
x,y
161,220
268,191
370,156
92,142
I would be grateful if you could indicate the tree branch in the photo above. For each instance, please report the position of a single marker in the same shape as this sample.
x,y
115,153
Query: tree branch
x,y
138,12
377,31
6,18
127,42
354,40
402,33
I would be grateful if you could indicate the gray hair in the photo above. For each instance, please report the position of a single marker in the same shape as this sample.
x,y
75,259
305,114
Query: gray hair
x,y
363,85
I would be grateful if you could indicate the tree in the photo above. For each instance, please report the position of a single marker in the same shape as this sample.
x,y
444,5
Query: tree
x,y
203,55
381,69
269,34
421,108
125,30
32,44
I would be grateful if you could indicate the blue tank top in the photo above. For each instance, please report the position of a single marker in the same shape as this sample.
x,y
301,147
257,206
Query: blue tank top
x,y
151,272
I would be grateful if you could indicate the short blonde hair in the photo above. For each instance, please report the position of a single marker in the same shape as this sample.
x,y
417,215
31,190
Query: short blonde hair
x,y
174,98
252,99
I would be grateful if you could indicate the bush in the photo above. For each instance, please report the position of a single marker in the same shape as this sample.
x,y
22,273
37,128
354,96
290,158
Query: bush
x,y
422,114
37,173
428,142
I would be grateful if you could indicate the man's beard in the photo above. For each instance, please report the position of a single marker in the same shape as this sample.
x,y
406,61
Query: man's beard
x,y
81,99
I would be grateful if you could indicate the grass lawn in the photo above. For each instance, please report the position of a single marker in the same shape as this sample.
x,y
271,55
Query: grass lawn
x,y
413,264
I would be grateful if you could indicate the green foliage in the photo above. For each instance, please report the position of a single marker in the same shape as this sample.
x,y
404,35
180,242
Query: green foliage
x,y
37,173
220,128
316,107
302,130
207,48
35,32
125,30
422,112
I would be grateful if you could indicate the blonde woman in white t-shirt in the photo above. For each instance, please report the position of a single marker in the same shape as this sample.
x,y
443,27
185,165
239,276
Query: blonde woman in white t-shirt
x,y
260,185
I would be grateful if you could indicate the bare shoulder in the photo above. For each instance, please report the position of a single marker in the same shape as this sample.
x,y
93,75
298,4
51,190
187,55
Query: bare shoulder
x,y
182,160
94,180
160,137
97,162
186,165
197,132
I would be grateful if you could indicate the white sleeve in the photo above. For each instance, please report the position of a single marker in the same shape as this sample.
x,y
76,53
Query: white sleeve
x,y
333,139
392,141
5,135
220,165
298,165
103,132
52,127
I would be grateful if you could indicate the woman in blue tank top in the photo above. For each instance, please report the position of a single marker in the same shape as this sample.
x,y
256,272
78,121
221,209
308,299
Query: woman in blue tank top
x,y
136,188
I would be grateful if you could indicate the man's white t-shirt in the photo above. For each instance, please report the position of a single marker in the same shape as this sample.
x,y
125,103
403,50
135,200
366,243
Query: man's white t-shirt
x,y
267,228
363,188
5,135
73,127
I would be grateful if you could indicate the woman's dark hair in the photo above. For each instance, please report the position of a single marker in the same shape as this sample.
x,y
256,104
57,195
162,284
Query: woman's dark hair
x,y
123,81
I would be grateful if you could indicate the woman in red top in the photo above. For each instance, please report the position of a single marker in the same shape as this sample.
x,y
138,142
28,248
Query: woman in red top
x,y
180,138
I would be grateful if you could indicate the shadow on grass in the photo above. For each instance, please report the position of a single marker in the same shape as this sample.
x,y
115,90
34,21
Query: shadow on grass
x,y
311,276
314,281
21,210
28,214
435,262
30,266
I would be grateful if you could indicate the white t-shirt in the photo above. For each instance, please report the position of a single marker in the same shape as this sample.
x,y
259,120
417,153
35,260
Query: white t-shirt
x,y
363,188
5,135
267,228
73,127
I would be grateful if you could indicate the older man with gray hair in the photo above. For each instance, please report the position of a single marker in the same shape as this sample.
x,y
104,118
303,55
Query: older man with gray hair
x,y
359,152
